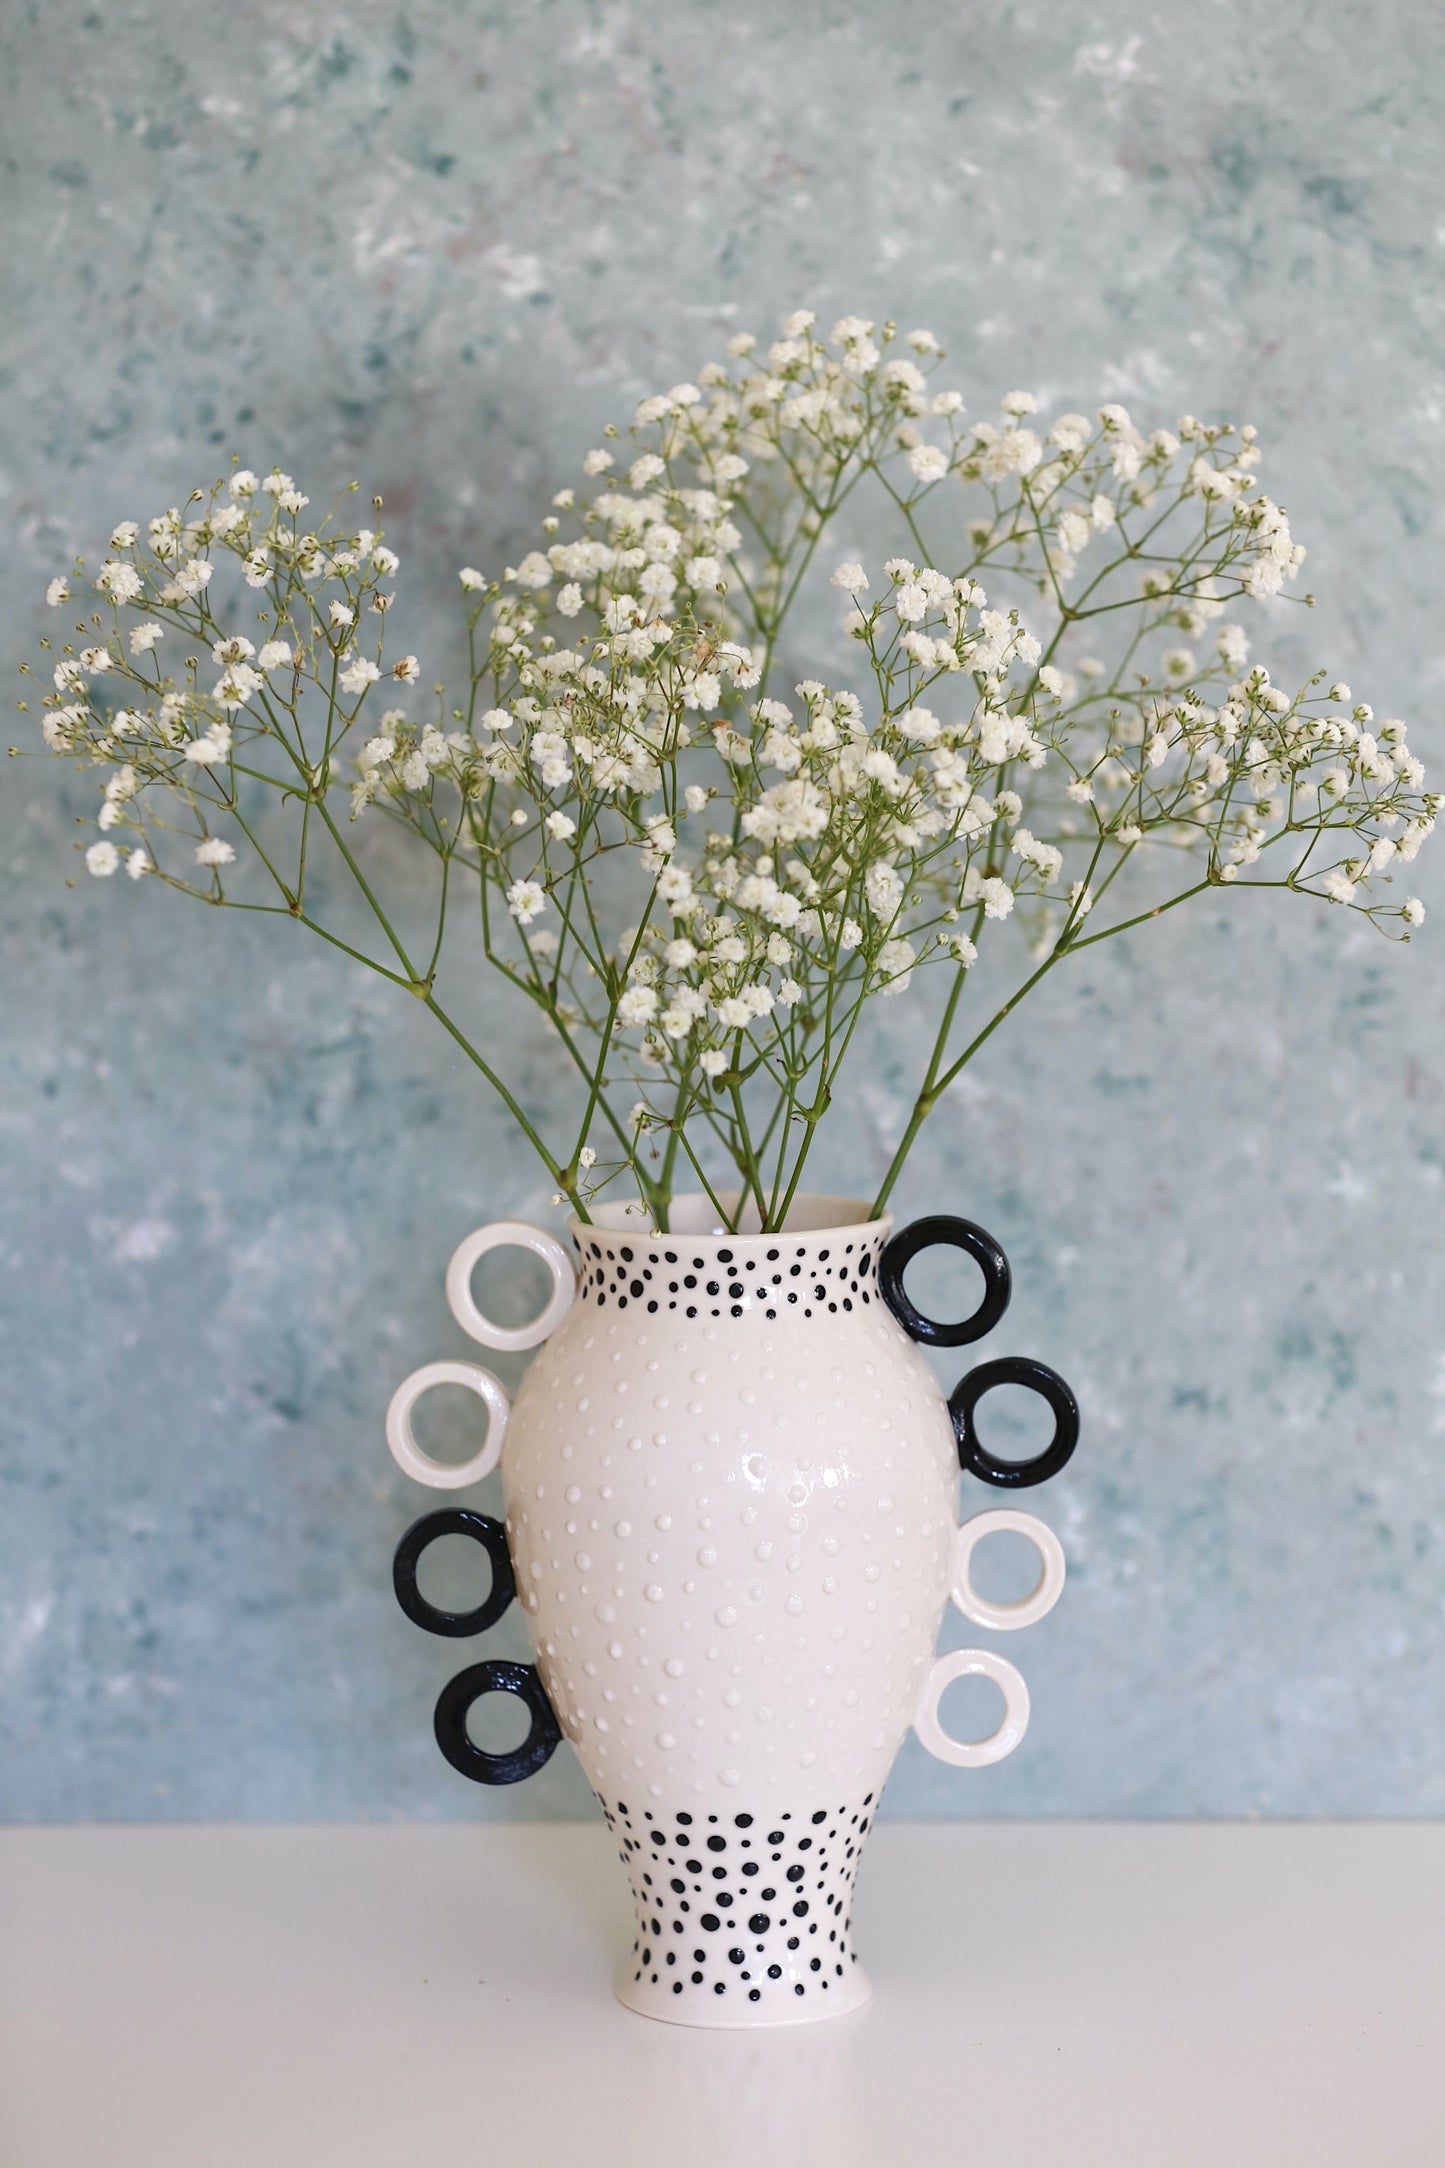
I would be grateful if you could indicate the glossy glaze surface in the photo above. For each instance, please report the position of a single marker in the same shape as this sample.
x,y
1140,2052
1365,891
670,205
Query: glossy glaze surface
x,y
732,1529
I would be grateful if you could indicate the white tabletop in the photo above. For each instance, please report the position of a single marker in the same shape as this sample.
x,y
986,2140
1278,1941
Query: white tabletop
x,y
1076,1995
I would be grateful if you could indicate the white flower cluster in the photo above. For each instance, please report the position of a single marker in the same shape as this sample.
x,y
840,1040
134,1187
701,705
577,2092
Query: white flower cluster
x,y
176,738
688,861
837,831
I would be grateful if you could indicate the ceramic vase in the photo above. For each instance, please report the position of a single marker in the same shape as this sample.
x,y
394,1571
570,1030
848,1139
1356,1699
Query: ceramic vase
x,y
731,1484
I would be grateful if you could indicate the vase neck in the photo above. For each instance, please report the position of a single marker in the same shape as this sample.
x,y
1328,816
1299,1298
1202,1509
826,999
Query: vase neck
x,y
822,1272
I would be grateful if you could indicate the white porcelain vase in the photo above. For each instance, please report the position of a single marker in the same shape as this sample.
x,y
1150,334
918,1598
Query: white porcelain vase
x,y
731,1484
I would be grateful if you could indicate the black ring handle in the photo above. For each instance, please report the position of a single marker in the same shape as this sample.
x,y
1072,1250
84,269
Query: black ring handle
x,y
496,1676
958,1234
975,1457
453,1521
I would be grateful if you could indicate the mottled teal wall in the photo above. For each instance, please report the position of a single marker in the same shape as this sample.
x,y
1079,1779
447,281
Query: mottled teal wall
x,y
437,246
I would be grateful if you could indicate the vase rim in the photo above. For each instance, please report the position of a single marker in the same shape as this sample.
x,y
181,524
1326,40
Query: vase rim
x,y
693,1218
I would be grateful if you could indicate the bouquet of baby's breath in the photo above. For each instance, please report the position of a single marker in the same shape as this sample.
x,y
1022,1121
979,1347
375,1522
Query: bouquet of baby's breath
x,y
699,870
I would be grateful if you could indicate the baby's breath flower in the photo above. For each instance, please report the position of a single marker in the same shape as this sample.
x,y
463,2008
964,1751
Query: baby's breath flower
x,y
637,1006
193,578
525,899
235,687
927,463
121,582
895,965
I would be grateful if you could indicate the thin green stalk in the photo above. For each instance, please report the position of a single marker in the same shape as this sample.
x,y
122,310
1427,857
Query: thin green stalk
x,y
563,1177
923,1102
928,1099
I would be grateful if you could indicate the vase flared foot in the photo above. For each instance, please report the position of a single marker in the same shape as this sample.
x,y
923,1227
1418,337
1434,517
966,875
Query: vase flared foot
x,y
680,2003
742,1915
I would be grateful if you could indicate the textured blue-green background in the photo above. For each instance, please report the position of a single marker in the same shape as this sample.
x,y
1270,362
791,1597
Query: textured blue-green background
x,y
437,246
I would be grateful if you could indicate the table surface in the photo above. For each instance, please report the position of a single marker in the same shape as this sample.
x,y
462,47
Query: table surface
x,y
1081,1995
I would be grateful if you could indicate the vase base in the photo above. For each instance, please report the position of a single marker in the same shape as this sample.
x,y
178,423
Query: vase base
x,y
743,1914
696,2008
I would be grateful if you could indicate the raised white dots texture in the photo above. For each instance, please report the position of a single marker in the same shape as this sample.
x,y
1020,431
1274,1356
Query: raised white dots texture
x,y
807,1468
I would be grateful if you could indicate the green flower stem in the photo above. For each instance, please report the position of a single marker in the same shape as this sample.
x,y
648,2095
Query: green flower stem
x,y
1141,918
746,1156
815,1113
929,1097
364,885
565,1178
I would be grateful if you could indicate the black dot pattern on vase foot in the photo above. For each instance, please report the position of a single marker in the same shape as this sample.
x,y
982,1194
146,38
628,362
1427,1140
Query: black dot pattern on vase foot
x,y
787,1278
744,1905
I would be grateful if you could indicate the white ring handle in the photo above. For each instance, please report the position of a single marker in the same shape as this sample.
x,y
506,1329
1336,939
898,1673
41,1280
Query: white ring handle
x,y
1042,1596
973,1753
514,1234
408,1455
